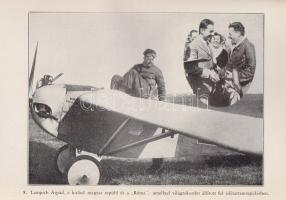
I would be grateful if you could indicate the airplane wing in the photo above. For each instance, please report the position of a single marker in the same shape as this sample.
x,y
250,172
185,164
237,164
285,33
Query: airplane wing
x,y
237,132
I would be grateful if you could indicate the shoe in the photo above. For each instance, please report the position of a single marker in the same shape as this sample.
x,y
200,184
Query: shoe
x,y
156,166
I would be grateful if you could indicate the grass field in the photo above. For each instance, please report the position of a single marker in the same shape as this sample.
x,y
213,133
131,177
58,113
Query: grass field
x,y
208,169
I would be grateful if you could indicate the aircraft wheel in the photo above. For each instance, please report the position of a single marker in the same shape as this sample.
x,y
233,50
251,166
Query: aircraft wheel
x,y
85,170
65,156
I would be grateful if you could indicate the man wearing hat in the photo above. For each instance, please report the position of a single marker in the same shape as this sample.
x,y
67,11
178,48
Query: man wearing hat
x,y
144,80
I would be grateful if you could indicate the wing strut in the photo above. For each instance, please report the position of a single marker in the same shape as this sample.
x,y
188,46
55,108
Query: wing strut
x,y
141,142
116,132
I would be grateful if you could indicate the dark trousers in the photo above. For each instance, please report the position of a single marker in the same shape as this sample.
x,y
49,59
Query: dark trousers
x,y
132,83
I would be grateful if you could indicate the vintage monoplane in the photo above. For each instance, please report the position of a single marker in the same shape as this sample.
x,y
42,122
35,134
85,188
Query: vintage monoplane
x,y
96,122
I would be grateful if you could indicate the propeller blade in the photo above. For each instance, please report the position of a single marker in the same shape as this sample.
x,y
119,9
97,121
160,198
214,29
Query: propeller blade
x,y
58,76
31,78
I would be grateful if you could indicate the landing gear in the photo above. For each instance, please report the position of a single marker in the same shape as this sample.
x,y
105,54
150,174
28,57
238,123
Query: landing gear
x,y
85,170
79,167
66,155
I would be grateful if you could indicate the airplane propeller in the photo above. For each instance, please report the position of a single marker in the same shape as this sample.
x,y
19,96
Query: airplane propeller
x,y
58,76
31,78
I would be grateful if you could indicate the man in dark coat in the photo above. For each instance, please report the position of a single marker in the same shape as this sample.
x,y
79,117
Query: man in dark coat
x,y
144,80
242,60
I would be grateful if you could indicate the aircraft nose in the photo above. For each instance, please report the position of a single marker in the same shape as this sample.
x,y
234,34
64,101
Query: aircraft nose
x,y
43,111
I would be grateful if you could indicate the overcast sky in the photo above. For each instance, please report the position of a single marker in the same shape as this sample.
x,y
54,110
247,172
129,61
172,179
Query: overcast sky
x,y
91,47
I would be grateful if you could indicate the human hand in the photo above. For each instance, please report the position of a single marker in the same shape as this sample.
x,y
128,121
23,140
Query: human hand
x,y
221,73
213,76
237,86
236,79
228,74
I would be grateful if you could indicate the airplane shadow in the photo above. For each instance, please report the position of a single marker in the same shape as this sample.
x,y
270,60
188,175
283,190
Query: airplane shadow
x,y
247,169
133,171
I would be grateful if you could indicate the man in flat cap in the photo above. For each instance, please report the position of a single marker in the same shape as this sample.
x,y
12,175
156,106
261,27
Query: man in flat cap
x,y
144,80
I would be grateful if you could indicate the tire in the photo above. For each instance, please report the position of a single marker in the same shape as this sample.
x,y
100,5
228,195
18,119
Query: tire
x,y
85,170
65,156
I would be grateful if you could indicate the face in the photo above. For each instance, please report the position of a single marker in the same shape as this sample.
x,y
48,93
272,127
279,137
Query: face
x,y
189,38
208,32
233,35
194,35
215,41
50,78
149,59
